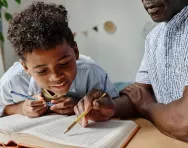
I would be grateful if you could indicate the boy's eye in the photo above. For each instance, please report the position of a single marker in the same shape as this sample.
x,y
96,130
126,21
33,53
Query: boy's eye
x,y
41,72
65,63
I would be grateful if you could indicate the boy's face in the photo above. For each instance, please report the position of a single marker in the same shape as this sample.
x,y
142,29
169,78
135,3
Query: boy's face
x,y
54,69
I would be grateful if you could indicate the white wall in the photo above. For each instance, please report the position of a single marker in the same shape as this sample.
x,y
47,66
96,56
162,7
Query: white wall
x,y
2,69
120,53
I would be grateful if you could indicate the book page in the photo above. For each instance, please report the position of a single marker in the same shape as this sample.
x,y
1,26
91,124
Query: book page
x,y
92,136
15,123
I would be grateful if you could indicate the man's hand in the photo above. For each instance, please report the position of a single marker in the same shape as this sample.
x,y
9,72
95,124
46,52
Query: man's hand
x,y
34,108
64,106
102,109
140,97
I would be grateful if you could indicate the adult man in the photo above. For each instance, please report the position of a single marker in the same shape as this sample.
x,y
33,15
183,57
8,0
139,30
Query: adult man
x,y
161,89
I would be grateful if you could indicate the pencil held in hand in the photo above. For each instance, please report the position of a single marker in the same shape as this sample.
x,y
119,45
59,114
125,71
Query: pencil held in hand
x,y
80,117
28,97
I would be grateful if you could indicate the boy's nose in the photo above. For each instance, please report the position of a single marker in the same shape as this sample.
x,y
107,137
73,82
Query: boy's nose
x,y
56,76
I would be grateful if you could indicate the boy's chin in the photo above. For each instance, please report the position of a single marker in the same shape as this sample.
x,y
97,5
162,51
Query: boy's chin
x,y
61,92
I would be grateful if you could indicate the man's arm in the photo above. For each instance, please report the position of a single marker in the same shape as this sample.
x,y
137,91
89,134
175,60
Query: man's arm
x,y
170,119
124,107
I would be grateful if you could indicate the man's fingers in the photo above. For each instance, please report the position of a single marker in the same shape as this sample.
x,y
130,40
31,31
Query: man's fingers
x,y
81,106
87,102
76,111
90,97
102,102
81,109
130,88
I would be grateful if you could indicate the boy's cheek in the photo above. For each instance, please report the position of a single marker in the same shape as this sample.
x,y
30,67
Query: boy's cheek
x,y
42,82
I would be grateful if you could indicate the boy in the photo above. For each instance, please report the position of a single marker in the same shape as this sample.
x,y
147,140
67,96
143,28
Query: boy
x,y
45,45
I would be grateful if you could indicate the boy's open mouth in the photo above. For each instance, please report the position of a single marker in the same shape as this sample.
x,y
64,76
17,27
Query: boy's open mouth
x,y
58,86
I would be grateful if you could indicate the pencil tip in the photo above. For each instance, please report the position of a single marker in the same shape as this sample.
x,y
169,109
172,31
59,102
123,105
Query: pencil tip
x,y
66,131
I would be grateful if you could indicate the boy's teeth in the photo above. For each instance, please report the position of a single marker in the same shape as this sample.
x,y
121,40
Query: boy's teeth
x,y
58,85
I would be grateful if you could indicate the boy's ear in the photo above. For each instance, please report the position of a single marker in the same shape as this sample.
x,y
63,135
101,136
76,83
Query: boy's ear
x,y
76,51
25,67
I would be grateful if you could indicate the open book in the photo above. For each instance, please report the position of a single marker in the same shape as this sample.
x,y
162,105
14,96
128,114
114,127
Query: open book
x,y
48,132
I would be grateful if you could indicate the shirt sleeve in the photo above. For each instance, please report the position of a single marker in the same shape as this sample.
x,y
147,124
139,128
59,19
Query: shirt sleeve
x,y
100,80
142,74
17,83
85,58
186,79
5,96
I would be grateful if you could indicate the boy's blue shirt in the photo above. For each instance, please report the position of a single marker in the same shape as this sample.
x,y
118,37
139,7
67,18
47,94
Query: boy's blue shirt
x,y
89,76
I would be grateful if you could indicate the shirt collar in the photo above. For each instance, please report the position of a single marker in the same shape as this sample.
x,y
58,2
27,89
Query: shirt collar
x,y
179,17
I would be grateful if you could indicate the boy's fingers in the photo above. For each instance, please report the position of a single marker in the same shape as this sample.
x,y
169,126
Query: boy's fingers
x,y
70,102
65,111
40,112
58,106
59,100
35,102
36,109
38,97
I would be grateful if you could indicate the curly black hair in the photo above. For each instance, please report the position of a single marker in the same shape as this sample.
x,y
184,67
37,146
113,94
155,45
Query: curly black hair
x,y
40,26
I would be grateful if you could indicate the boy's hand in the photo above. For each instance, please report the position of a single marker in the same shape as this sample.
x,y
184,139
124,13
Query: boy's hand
x,y
64,106
34,108
102,109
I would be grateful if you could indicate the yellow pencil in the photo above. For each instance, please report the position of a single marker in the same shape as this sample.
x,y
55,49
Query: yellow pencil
x,y
80,117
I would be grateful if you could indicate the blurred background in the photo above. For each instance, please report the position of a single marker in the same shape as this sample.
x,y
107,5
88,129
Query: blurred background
x,y
112,32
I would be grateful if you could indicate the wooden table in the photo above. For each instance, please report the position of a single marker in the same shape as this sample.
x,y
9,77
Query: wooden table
x,y
149,137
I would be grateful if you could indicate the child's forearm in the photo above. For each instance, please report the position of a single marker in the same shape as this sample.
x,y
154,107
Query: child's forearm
x,y
14,109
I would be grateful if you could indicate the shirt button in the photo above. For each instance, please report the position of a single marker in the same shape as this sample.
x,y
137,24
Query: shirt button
x,y
73,90
30,93
167,65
